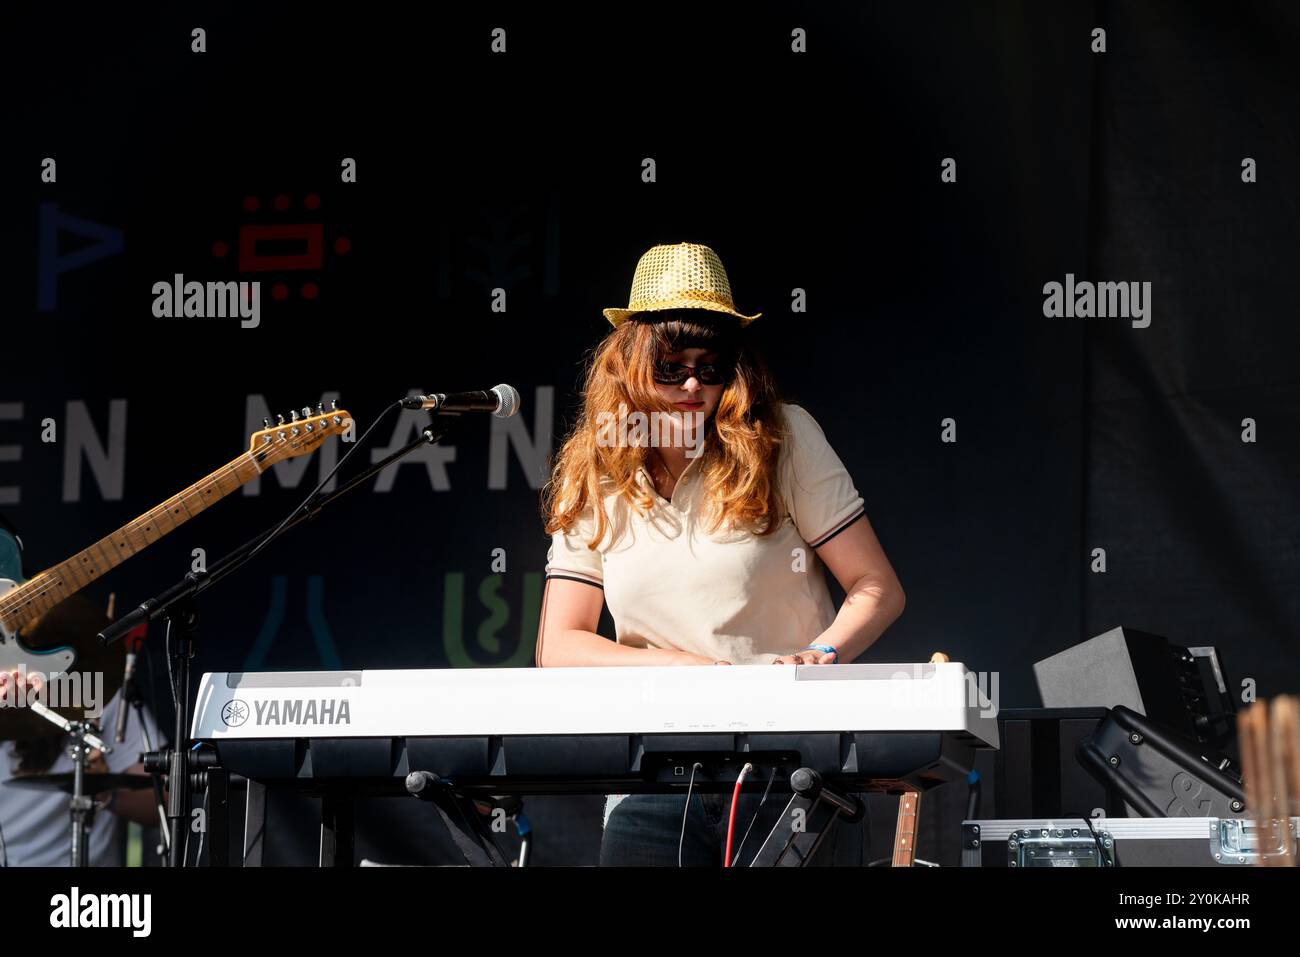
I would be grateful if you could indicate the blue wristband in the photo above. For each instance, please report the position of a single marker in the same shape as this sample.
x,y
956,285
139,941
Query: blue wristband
x,y
825,649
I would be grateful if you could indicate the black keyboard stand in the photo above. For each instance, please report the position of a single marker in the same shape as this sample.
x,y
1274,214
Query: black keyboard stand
x,y
461,817
807,819
812,811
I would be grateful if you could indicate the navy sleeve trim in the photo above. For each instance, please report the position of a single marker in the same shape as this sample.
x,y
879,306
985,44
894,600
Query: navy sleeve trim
x,y
574,578
826,538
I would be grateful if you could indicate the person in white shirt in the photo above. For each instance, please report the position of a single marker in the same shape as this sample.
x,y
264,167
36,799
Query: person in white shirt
x,y
708,547
35,826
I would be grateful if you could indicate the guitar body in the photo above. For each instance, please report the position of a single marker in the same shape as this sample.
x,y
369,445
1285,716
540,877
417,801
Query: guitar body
x,y
11,556
15,655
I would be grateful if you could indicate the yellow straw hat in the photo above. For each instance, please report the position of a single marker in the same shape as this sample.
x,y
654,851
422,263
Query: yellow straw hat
x,y
685,276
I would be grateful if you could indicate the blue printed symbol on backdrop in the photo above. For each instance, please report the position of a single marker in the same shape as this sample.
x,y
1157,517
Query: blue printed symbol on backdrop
x,y
316,623
109,241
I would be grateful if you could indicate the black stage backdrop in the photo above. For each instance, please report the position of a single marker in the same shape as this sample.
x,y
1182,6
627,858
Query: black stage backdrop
x,y
522,172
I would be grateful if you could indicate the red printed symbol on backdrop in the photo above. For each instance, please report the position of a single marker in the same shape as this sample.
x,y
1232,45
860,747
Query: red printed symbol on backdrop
x,y
283,247
255,259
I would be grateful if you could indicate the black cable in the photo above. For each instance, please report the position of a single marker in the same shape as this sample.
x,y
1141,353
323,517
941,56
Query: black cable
x,y
189,829
151,702
323,482
4,849
171,678
227,569
148,693
198,855
176,703
185,848
1106,860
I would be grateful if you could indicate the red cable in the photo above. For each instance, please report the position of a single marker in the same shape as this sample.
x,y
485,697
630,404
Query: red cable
x,y
731,818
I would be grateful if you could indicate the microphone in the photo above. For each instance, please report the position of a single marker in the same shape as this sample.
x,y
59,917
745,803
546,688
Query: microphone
x,y
133,642
502,401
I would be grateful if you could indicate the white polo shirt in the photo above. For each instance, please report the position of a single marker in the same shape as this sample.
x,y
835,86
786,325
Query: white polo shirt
x,y
669,583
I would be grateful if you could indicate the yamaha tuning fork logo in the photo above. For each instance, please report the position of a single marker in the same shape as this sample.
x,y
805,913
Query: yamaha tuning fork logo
x,y
234,713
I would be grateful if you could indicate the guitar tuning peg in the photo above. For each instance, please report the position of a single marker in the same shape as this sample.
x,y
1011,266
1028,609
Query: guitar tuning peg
x,y
266,423
306,411
320,408
293,415
334,404
279,419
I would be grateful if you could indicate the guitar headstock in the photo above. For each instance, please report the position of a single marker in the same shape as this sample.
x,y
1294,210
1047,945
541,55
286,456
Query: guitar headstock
x,y
298,435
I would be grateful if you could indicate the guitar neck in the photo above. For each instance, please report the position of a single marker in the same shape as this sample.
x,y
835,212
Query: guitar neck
x,y
34,598
909,806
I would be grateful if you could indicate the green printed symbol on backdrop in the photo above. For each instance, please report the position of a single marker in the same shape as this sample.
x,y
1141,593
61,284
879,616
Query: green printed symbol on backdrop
x,y
488,643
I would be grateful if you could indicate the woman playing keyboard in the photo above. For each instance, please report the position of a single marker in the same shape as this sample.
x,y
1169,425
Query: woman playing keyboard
x,y
701,510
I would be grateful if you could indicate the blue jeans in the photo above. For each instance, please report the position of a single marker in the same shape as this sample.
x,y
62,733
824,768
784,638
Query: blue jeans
x,y
643,830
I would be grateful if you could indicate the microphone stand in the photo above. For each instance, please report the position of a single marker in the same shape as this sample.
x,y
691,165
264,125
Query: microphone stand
x,y
177,605
82,808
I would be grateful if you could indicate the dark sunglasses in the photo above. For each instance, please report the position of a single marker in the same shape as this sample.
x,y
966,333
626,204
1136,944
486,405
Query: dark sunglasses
x,y
675,373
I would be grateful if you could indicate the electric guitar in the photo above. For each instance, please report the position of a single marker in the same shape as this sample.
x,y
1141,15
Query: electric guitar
x,y
21,603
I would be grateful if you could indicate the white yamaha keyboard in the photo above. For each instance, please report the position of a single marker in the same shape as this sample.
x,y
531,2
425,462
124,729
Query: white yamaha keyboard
x,y
531,730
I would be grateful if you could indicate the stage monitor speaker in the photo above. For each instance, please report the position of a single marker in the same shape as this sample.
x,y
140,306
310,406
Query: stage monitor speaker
x,y
1183,690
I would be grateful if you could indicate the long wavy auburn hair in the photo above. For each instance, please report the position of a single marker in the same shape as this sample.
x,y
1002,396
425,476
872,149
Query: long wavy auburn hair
x,y
742,438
